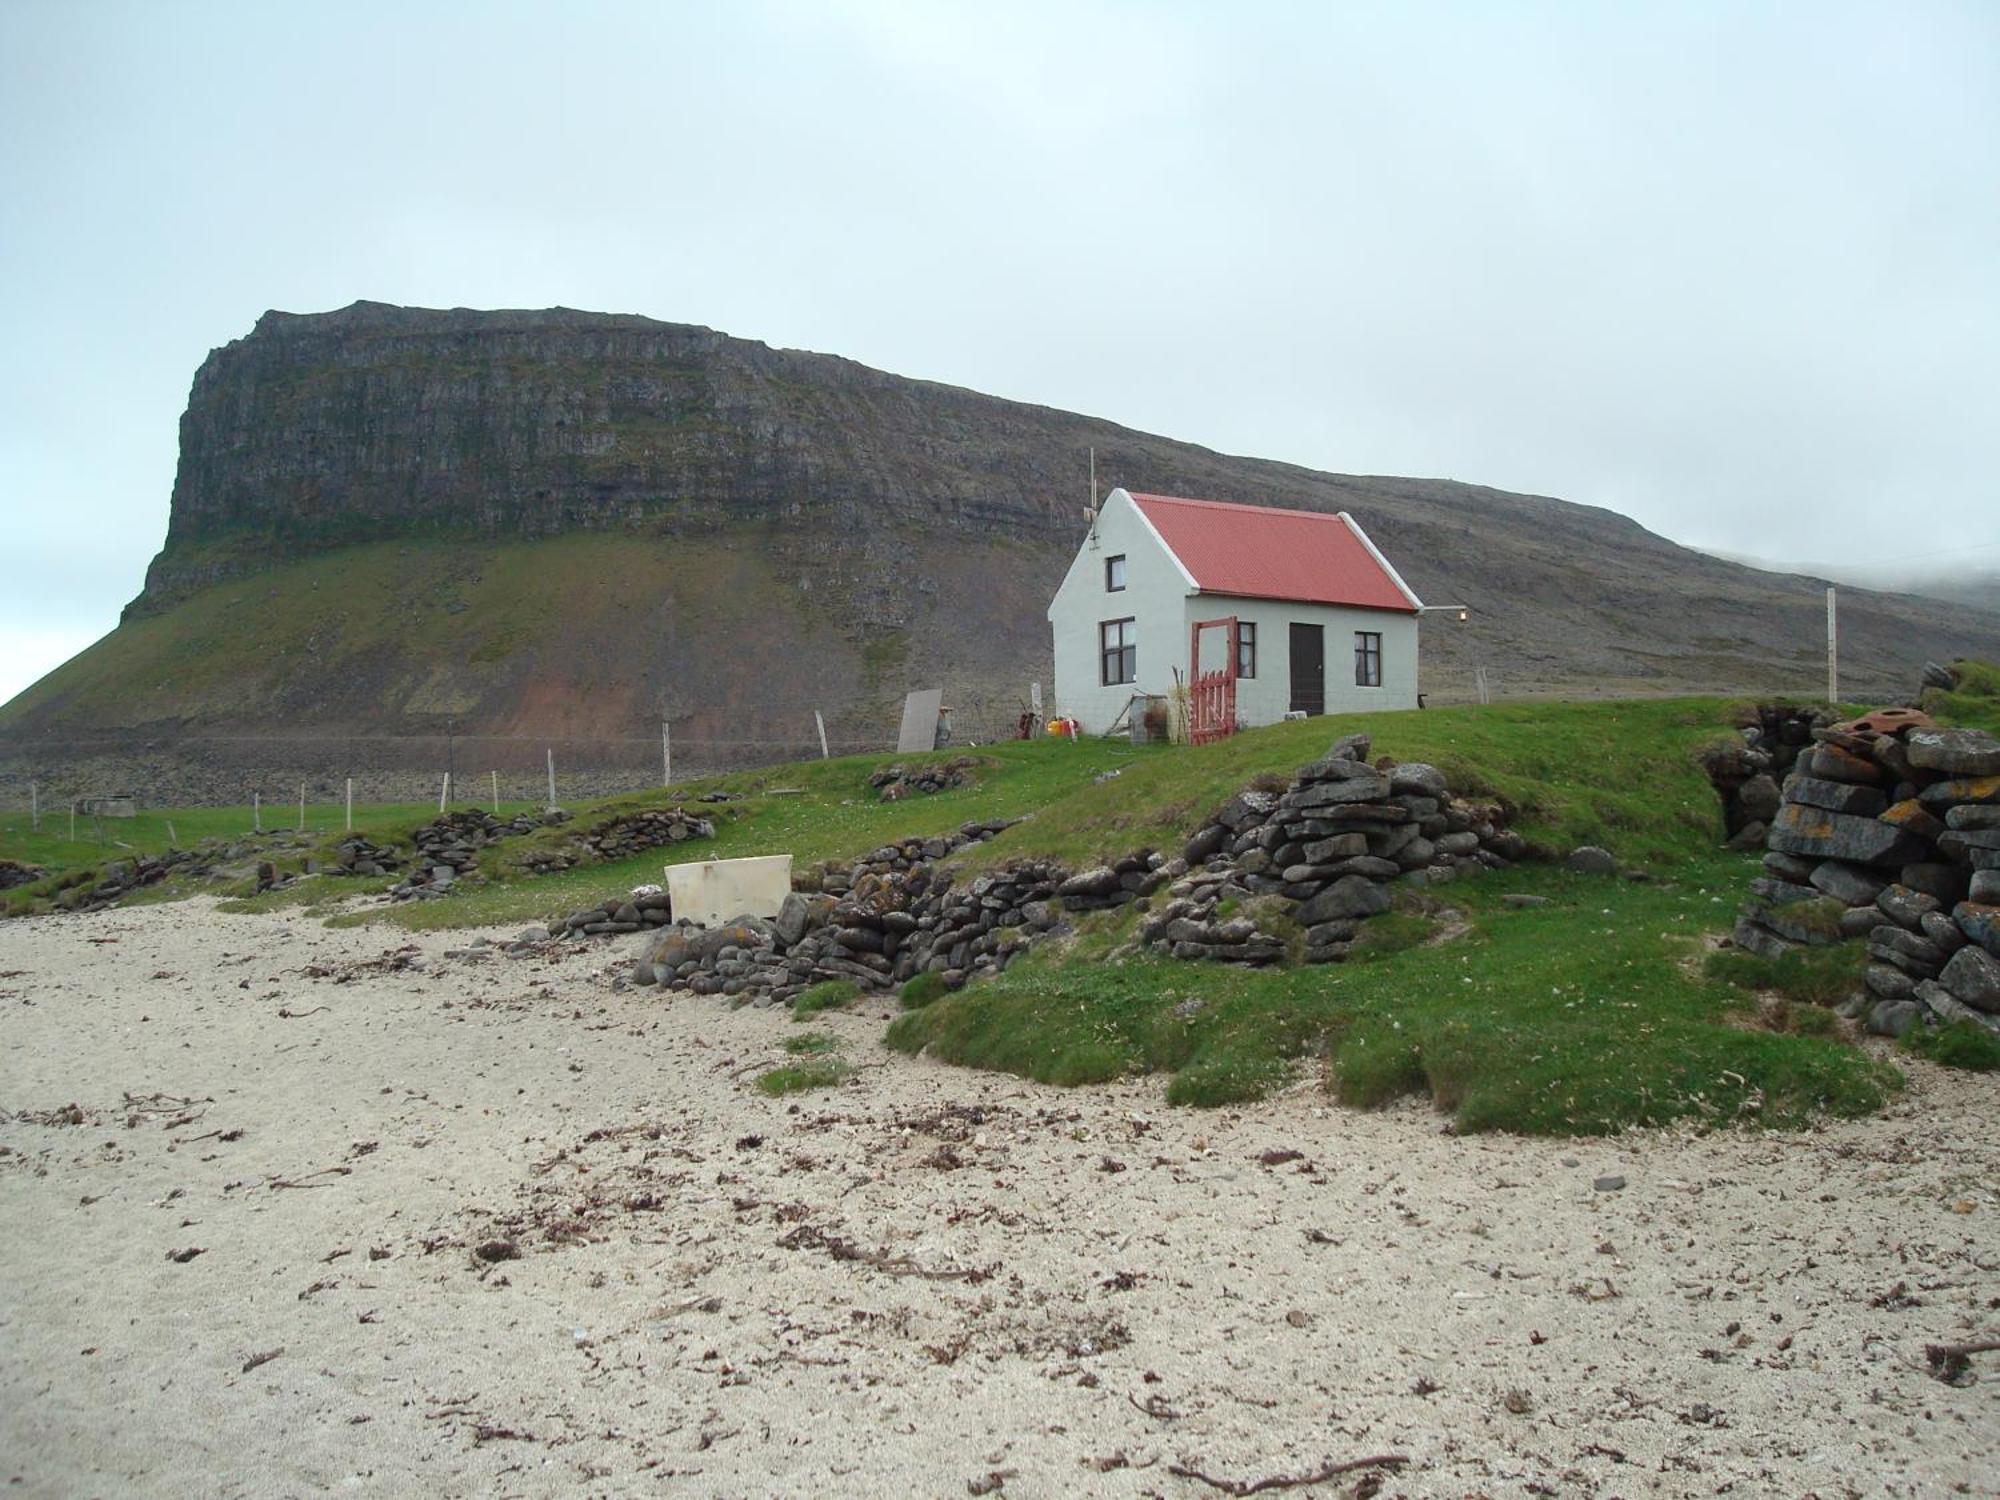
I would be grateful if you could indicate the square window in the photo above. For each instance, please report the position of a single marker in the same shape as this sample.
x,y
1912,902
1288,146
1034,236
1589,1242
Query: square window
x,y
1118,651
1246,649
1367,658
1114,573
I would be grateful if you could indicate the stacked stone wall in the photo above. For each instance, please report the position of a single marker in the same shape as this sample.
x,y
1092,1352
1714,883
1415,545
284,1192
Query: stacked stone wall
x,y
1889,830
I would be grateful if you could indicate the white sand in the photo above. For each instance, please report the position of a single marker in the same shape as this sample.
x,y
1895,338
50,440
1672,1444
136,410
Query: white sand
x,y
1719,1326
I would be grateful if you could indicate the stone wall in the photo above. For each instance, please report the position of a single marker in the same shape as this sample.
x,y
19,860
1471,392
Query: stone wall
x,y
879,921
1889,830
1296,872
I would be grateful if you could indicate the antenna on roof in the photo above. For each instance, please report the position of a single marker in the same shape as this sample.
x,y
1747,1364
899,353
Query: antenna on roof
x,y
1093,479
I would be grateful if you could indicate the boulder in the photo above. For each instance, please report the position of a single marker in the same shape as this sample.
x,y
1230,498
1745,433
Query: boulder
x,y
1973,975
1349,897
1901,904
1943,794
1758,798
1984,888
1889,983
1416,779
1894,1017
1206,843
1818,833
1837,796
1979,921
1948,1008
1814,922
1958,752
1350,747
1589,859
1911,816
1247,808
1853,884
1831,763
1365,785
1790,866
1752,937
1943,883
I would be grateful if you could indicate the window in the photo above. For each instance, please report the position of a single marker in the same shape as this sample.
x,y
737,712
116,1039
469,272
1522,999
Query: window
x,y
1246,649
1367,658
1118,650
1114,574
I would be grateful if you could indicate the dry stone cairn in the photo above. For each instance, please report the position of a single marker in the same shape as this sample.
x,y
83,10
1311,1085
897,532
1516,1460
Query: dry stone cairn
x,y
1889,830
1317,858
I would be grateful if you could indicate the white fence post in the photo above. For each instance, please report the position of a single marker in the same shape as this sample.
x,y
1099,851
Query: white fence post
x,y
496,789
666,755
302,807
552,776
350,804
35,806
257,812
821,723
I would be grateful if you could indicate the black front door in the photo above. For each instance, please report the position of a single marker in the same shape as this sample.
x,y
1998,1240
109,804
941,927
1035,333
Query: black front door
x,y
1309,669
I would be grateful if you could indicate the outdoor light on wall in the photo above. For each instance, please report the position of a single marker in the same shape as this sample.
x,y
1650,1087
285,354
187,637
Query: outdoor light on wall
x,y
1440,609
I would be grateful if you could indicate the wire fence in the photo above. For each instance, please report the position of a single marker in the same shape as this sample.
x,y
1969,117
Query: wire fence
x,y
234,769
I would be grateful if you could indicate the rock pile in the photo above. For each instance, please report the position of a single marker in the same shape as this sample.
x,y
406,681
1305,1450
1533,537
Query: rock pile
x,y
449,845
1889,830
1312,862
621,837
1745,771
885,929
14,872
898,781
648,908
359,856
1119,883
836,879
120,877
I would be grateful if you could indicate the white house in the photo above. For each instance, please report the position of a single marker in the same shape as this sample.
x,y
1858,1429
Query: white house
x,y
1325,623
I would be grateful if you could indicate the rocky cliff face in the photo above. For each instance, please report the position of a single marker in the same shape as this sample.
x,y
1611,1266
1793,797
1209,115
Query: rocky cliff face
x,y
377,421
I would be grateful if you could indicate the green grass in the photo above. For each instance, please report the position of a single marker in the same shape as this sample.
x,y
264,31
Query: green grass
x,y
1959,1045
812,1044
831,994
1581,1017
1974,703
921,991
799,1077
1810,976
1620,774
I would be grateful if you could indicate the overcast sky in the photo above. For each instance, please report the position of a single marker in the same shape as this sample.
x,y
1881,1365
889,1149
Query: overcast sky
x,y
1732,269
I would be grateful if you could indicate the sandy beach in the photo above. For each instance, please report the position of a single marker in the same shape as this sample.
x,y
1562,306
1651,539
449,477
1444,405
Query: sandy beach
x,y
290,1210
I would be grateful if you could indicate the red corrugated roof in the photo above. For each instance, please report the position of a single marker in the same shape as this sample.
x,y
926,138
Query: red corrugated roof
x,y
1258,552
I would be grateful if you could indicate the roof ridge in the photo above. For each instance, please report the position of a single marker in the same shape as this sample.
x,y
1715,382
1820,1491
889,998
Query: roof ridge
x,y
1262,510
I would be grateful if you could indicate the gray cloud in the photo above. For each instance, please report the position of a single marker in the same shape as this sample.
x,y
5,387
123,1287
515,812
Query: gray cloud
x,y
1729,269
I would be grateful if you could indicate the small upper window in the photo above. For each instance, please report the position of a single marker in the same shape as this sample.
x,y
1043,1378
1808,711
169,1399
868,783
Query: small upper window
x,y
1114,573
1246,649
1367,658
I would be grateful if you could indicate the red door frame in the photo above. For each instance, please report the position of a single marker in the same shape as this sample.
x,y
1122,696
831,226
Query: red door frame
x,y
1211,695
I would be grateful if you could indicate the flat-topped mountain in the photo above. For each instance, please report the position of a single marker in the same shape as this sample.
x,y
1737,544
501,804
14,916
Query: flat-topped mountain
x,y
395,521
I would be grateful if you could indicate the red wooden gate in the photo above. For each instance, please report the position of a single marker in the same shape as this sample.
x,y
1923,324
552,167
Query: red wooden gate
x,y
1211,695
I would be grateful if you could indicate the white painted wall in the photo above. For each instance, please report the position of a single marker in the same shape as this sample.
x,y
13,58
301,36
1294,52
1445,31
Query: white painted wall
x,y
1267,697
1161,598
